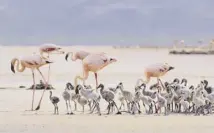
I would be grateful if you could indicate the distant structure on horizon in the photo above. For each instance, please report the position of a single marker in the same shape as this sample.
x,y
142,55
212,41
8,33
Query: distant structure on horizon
x,y
181,48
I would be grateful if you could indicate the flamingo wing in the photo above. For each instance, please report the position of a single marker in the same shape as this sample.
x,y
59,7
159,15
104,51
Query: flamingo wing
x,y
96,60
82,54
156,68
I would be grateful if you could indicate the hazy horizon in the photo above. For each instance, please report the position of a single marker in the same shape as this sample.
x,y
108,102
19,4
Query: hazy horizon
x,y
112,22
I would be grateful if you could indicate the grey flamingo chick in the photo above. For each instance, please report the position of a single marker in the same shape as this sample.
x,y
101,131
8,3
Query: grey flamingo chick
x,y
82,101
67,97
55,100
108,96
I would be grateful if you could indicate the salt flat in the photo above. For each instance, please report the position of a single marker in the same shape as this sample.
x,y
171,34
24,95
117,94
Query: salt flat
x,y
130,65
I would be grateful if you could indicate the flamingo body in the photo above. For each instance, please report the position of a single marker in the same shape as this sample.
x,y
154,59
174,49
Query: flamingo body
x,y
94,63
32,62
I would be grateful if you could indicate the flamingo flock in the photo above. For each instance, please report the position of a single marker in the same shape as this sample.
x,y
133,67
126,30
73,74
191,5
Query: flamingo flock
x,y
168,97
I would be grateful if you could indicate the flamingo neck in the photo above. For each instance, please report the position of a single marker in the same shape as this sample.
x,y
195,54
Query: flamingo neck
x,y
76,79
143,81
50,95
19,67
73,56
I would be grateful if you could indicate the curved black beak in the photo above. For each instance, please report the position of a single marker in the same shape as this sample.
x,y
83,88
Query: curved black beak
x,y
48,62
12,68
66,56
171,68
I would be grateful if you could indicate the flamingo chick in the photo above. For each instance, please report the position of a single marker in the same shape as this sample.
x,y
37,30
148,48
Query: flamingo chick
x,y
54,101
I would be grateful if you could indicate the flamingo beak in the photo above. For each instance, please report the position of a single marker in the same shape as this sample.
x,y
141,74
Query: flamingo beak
x,y
48,62
66,56
171,68
113,60
60,52
12,68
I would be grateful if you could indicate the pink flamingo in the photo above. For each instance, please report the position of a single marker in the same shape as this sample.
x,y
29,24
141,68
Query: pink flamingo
x,y
80,55
48,48
156,70
94,63
32,62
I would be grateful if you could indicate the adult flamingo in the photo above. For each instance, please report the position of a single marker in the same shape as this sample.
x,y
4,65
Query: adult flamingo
x,y
33,62
156,70
80,55
48,48
93,63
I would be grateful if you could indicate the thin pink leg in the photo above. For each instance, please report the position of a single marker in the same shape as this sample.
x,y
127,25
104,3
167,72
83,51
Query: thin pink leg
x,y
161,84
34,87
49,68
95,74
46,86
83,71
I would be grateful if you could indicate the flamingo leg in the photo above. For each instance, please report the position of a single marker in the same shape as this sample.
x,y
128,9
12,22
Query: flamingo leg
x,y
46,86
34,87
147,79
49,68
85,76
95,74
161,84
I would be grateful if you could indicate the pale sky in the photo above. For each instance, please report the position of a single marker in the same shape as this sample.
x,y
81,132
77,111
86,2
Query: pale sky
x,y
105,22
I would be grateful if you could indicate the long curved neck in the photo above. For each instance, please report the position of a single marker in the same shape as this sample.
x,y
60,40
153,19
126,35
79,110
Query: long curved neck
x,y
121,88
205,86
101,88
50,95
144,81
73,56
19,66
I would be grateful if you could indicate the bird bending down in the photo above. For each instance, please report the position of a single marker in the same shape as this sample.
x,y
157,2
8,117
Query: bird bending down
x,y
156,70
80,55
93,63
33,62
49,49
54,101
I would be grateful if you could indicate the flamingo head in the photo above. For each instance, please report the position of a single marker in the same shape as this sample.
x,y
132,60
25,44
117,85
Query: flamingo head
x,y
100,86
69,86
78,87
143,85
50,49
167,67
171,68
111,60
